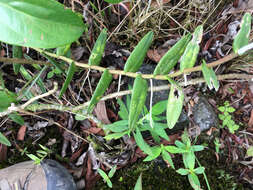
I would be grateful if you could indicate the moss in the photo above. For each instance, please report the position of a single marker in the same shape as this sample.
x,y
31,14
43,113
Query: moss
x,y
156,175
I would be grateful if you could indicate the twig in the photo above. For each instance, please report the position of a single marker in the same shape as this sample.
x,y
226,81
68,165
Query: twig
x,y
14,108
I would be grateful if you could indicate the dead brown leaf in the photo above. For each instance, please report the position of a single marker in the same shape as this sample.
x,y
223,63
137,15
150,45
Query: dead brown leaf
x,y
21,133
100,112
250,123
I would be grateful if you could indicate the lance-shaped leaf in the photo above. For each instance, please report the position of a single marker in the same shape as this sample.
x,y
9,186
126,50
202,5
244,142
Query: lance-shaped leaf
x,y
69,77
103,84
41,24
192,49
4,140
175,104
210,77
98,49
137,100
17,53
136,58
242,37
170,59
113,1
141,142
138,185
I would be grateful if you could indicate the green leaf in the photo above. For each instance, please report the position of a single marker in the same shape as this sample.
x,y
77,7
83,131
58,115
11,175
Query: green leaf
x,y
199,170
189,160
105,177
250,151
112,171
221,109
141,142
4,140
138,185
117,127
115,135
174,105
6,99
63,50
16,118
242,37
166,156
158,129
137,101
34,158
230,109
182,171
103,84
123,112
98,49
41,24
113,1
194,181
156,151
70,74
192,49
197,148
159,107
170,59
210,77
136,58
175,150
180,145
17,53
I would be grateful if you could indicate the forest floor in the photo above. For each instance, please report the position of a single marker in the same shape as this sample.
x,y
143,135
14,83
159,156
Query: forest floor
x,y
228,154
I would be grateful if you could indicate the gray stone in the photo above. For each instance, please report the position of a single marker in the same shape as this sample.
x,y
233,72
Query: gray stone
x,y
204,115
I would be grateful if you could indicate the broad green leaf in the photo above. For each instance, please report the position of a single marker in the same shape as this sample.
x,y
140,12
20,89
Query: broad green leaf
x,y
182,171
199,170
210,77
156,151
192,49
174,105
113,1
138,185
117,127
112,171
175,150
123,112
137,100
6,99
16,118
166,156
136,58
115,135
4,140
250,151
70,74
98,49
170,59
40,24
242,37
194,181
103,84
159,107
16,53
141,142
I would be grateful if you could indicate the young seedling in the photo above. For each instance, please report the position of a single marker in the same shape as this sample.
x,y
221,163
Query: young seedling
x,y
107,177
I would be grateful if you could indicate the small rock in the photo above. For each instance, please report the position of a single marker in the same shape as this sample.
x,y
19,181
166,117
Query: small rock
x,y
204,115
